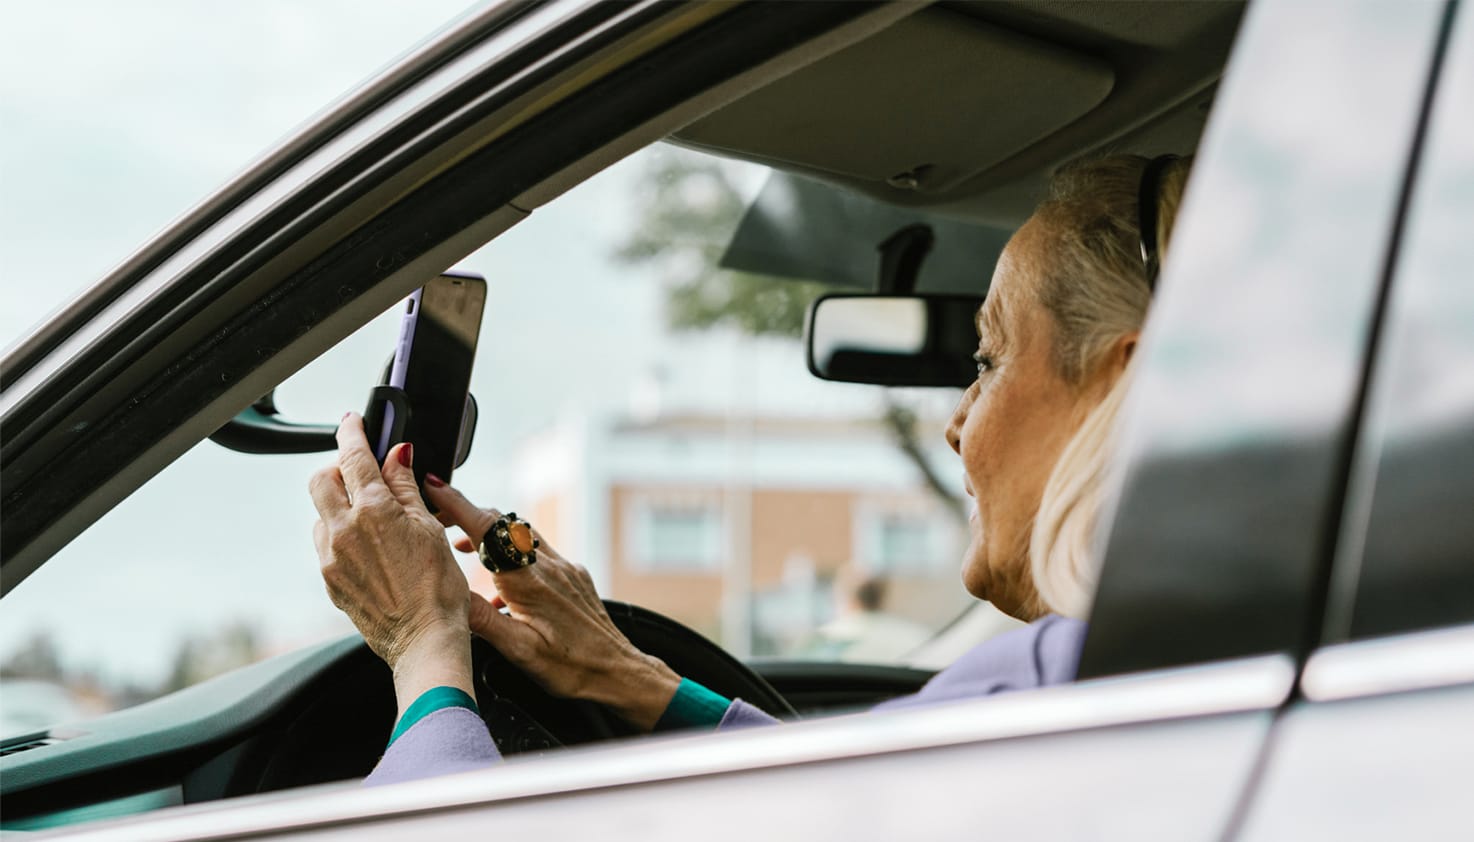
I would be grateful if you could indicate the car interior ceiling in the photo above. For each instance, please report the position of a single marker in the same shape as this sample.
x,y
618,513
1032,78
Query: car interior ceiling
x,y
990,98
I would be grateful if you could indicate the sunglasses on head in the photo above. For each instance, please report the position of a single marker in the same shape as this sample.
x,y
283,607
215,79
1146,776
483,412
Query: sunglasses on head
x,y
1147,199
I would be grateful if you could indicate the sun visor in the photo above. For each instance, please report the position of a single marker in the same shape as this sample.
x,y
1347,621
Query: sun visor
x,y
925,98
803,229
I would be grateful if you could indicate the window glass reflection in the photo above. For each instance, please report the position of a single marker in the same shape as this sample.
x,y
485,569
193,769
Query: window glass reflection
x,y
1409,532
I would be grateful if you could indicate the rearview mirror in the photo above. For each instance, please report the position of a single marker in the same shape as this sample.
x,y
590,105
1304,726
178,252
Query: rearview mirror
x,y
894,340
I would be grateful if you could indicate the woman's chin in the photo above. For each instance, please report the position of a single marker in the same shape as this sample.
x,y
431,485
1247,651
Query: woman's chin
x,y
975,572
1007,593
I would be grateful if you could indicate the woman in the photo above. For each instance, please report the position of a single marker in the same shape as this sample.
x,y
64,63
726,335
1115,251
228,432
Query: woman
x,y
1056,336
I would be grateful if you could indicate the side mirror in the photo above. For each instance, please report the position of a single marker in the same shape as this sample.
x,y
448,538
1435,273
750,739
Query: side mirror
x,y
260,428
893,340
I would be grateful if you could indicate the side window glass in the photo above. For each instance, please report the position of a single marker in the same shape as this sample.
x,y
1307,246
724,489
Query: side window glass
x,y
1408,556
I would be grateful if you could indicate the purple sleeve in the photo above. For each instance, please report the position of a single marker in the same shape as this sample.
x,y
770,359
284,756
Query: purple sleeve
x,y
1043,653
740,714
454,740
449,740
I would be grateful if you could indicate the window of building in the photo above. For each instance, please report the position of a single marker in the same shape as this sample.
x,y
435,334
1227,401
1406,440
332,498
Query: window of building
x,y
903,542
899,538
677,537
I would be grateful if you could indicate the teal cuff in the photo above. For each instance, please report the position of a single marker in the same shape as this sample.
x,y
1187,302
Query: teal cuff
x,y
693,706
436,698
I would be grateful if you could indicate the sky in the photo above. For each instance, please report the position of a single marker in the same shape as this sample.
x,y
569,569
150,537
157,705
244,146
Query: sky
x,y
148,108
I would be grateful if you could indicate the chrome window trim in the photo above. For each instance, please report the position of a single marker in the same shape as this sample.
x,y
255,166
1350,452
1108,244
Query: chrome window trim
x,y
1418,661
1251,684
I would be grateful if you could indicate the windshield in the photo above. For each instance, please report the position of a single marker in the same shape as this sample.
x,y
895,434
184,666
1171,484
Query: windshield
x,y
646,407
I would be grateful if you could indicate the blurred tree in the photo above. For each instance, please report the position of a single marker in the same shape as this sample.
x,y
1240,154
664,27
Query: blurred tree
x,y
200,657
682,230
36,658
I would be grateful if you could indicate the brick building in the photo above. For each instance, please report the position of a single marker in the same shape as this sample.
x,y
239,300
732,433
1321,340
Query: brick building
x,y
734,508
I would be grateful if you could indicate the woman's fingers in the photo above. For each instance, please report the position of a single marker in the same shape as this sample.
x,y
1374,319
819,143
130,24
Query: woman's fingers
x,y
456,510
583,587
385,563
328,493
359,468
399,475
320,541
556,629
513,638
523,589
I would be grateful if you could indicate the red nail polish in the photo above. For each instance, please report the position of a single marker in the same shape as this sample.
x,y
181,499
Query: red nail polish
x,y
406,454
434,481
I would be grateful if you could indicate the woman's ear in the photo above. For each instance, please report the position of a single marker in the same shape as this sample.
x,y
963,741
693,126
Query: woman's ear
x,y
1124,350
1111,366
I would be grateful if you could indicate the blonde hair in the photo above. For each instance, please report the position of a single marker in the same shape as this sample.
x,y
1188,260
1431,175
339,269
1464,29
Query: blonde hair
x,y
1095,286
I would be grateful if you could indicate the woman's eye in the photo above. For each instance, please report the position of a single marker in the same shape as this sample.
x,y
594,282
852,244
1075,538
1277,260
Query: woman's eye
x,y
985,363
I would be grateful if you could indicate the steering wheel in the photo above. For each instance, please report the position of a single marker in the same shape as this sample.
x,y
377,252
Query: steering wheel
x,y
508,697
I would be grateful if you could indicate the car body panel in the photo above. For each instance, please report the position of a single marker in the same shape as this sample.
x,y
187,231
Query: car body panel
x,y
1180,780
1383,749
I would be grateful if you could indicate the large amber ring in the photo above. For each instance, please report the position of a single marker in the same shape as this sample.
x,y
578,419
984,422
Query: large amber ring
x,y
508,545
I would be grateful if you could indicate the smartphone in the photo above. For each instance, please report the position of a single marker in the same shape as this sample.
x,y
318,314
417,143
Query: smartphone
x,y
432,364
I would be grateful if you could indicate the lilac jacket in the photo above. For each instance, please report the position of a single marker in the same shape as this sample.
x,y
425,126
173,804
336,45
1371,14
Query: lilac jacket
x,y
1042,653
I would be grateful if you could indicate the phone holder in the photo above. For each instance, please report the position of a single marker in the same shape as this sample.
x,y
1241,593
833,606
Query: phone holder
x,y
390,404
468,430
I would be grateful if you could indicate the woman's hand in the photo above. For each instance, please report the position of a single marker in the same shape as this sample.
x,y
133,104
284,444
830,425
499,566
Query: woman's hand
x,y
556,629
388,566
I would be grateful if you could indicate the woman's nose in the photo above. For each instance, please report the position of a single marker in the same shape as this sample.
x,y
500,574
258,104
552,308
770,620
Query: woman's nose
x,y
959,416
